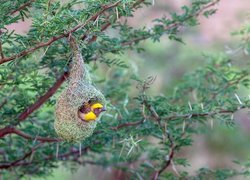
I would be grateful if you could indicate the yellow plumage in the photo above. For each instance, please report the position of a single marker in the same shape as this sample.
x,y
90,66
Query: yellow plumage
x,y
90,112
96,105
90,116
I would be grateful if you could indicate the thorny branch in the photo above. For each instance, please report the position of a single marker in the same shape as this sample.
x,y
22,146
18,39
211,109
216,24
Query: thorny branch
x,y
55,38
212,113
182,116
166,134
168,161
158,119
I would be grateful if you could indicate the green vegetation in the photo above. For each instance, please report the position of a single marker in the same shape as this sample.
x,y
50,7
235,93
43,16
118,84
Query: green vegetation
x,y
143,127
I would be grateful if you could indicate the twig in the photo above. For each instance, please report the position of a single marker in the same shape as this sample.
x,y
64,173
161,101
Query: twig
x,y
55,38
127,125
22,7
166,134
212,113
156,174
231,83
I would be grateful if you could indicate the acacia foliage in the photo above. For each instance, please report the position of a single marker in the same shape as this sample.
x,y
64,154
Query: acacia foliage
x,y
34,66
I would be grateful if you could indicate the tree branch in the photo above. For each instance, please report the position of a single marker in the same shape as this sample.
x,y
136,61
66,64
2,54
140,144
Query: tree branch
x,y
173,117
55,38
11,130
156,174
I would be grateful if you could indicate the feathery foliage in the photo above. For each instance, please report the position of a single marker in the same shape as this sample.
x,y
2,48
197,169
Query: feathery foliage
x,y
141,129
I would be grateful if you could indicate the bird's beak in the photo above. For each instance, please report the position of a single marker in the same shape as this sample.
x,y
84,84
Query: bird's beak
x,y
103,109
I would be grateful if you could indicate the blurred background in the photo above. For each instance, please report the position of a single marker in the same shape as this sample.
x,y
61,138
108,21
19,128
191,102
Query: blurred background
x,y
169,61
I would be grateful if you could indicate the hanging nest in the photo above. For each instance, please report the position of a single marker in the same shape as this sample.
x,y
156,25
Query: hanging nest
x,y
79,91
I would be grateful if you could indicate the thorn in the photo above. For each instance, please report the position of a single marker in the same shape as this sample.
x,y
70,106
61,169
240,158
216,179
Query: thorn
x,y
117,13
183,126
174,168
202,106
237,97
190,106
96,21
31,157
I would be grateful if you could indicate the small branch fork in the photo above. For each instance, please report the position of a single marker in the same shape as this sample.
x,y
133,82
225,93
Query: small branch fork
x,y
167,135
156,174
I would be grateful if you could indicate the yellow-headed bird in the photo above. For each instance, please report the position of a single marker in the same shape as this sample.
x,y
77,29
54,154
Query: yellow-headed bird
x,y
90,112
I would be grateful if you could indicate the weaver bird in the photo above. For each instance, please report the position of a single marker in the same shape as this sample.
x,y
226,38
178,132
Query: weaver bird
x,y
90,112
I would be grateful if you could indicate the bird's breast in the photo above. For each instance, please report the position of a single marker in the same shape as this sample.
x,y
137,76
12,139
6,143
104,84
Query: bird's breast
x,y
90,116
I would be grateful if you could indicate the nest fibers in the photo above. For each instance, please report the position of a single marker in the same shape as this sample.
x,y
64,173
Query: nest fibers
x,y
80,90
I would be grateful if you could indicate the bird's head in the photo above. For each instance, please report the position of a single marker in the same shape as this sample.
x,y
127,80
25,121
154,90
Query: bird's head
x,y
97,108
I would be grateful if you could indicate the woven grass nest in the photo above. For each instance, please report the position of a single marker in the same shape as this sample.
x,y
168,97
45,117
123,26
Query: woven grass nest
x,y
80,90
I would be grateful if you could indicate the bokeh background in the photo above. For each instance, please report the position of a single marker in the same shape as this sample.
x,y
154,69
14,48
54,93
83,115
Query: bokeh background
x,y
168,61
